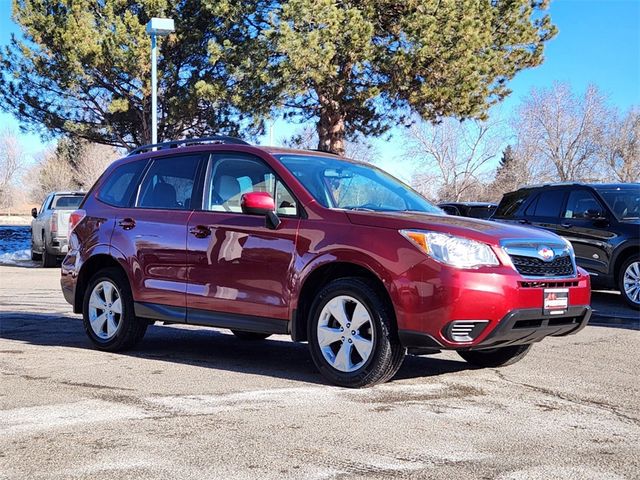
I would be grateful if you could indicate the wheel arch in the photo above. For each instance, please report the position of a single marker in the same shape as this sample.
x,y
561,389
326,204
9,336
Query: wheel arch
x,y
88,270
620,257
320,276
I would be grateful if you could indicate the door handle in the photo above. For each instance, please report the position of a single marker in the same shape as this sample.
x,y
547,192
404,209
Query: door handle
x,y
524,221
127,223
200,231
566,225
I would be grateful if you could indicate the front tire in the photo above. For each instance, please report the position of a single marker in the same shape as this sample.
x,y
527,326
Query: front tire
x,y
629,281
496,357
108,314
351,335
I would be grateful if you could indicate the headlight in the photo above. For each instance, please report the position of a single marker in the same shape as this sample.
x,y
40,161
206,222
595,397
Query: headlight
x,y
455,251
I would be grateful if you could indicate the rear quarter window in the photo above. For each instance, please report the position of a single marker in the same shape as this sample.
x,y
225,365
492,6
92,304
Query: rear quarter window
x,y
511,204
548,204
118,188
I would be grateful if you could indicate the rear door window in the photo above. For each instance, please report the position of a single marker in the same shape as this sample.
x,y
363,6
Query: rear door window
x,y
547,204
119,187
169,183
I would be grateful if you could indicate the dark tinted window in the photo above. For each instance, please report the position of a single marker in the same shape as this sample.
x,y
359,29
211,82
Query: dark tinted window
x,y
579,202
120,185
480,212
511,203
450,210
169,182
548,204
67,202
531,208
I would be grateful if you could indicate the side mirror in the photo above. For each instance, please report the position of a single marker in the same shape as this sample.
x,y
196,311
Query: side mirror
x,y
257,203
34,212
260,203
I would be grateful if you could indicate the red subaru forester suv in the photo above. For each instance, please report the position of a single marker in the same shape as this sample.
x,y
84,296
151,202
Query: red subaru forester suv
x,y
262,241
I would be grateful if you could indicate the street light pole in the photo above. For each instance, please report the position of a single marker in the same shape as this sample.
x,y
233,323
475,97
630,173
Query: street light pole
x,y
154,89
156,27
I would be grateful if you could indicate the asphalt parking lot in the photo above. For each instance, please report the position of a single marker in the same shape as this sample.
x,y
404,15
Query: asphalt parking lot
x,y
198,403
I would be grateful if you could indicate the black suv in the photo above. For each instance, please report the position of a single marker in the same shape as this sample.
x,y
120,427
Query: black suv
x,y
602,222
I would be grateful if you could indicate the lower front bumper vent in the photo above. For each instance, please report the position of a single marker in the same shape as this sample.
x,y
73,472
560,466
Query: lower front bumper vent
x,y
464,330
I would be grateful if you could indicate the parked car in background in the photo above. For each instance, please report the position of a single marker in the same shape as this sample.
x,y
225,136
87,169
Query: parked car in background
x,y
469,209
50,226
335,252
602,222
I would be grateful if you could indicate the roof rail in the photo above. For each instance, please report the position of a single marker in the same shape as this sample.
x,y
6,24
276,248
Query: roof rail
x,y
550,184
216,139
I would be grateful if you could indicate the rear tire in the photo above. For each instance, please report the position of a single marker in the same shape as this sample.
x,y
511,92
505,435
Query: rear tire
x,y
108,314
496,357
48,260
351,334
251,336
629,281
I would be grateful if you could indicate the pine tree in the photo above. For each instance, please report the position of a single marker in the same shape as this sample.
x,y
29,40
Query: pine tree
x,y
82,69
361,67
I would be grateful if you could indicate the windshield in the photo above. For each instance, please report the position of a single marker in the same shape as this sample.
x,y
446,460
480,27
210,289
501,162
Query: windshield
x,y
623,202
337,183
66,202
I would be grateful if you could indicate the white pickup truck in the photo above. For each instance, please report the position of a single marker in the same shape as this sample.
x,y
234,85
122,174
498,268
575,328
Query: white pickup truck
x,y
50,225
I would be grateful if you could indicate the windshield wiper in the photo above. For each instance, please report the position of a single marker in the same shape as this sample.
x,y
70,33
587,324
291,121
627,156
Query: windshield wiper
x,y
360,209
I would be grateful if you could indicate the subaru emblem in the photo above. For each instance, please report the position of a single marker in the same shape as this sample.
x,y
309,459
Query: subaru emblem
x,y
546,253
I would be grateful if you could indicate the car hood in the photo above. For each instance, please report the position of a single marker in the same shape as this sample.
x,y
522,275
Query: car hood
x,y
481,230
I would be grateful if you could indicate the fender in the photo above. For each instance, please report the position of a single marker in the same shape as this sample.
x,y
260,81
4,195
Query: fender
x,y
339,256
72,272
628,247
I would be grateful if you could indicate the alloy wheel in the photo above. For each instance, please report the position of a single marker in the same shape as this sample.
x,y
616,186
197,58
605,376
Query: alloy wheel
x,y
105,310
345,333
631,282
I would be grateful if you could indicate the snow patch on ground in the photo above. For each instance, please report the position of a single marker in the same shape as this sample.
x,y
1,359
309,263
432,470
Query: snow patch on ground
x,y
18,257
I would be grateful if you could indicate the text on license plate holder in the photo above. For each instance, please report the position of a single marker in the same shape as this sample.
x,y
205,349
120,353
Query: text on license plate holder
x,y
556,301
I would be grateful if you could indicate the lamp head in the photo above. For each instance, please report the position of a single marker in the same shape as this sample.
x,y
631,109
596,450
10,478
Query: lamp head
x,y
160,26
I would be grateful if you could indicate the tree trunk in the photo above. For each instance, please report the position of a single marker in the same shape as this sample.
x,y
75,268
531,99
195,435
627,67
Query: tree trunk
x,y
331,129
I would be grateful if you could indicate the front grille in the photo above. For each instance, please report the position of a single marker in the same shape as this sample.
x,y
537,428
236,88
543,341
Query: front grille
x,y
534,267
538,284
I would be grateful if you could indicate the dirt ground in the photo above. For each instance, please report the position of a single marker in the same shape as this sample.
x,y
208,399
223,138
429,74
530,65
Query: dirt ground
x,y
199,403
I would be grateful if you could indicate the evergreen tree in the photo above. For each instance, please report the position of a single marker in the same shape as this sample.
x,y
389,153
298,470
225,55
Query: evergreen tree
x,y
354,67
360,67
506,165
82,69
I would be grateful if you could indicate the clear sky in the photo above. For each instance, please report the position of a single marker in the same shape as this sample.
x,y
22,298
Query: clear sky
x,y
598,42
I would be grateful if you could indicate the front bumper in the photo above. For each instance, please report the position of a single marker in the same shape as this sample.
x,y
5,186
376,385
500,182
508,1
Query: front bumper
x,y
429,297
518,327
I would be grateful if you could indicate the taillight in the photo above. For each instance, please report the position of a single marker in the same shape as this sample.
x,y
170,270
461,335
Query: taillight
x,y
54,222
74,219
